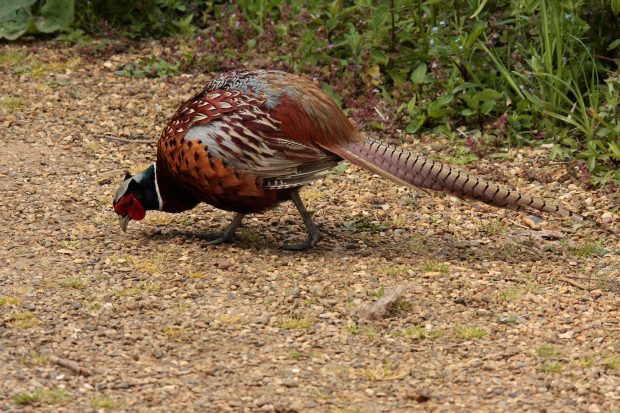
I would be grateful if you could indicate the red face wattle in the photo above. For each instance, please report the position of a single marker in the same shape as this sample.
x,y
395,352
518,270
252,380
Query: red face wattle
x,y
129,205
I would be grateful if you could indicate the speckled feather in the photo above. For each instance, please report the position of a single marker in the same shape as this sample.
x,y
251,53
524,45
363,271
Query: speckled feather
x,y
247,138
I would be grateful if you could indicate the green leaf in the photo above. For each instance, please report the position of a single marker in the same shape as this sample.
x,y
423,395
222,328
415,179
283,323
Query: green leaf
x,y
487,107
414,126
418,76
14,18
615,43
467,112
478,29
615,150
481,5
489,94
56,16
436,109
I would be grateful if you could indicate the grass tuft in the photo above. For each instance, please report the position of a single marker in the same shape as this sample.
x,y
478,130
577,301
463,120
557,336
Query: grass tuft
x,y
103,403
435,267
295,323
12,104
24,320
7,300
589,250
41,396
547,350
469,333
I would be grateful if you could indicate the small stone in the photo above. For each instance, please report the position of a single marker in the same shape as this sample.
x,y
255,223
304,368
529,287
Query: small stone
x,y
594,408
224,264
533,221
606,217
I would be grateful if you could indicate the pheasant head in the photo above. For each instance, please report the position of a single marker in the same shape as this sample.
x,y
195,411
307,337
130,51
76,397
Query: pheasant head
x,y
137,194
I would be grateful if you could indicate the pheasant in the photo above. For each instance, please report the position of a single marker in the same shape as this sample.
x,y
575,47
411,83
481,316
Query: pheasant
x,y
251,139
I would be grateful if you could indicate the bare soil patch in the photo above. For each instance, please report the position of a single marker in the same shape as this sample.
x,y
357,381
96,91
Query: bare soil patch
x,y
490,315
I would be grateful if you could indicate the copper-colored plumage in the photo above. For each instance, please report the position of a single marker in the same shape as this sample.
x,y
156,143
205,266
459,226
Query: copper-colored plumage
x,y
248,140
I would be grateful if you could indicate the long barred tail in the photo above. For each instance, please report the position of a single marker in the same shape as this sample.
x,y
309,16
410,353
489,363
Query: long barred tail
x,y
406,168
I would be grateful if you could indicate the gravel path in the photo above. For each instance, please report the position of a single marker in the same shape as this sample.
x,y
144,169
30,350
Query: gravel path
x,y
481,312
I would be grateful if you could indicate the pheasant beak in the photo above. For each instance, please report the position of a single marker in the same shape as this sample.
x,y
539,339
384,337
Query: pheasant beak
x,y
124,221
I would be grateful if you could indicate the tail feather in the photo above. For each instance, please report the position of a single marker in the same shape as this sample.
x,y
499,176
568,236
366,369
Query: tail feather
x,y
409,169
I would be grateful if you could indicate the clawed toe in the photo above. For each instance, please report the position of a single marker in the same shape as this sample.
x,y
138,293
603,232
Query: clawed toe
x,y
310,242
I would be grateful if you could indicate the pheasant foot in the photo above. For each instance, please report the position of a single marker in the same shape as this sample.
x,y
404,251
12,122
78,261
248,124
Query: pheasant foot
x,y
314,235
226,235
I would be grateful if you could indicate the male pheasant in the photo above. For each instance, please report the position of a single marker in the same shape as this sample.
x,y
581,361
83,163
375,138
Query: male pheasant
x,y
250,139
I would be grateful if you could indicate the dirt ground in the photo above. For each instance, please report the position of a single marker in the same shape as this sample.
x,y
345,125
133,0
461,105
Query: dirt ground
x,y
491,315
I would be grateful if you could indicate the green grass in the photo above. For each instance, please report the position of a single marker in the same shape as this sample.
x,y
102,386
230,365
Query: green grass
x,y
469,333
41,396
398,270
435,267
547,350
12,103
24,320
103,403
76,283
493,227
509,318
420,333
11,58
551,367
378,293
589,250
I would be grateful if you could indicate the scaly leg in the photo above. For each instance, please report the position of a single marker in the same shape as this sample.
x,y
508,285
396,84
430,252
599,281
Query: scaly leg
x,y
225,236
313,232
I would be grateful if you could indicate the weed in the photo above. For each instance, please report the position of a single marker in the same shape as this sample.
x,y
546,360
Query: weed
x,y
547,350
509,318
7,300
41,396
435,267
494,227
398,270
587,250
516,292
24,320
12,103
377,293
103,402
76,283
175,332
248,236
420,333
551,367
11,58
295,323
194,274
469,333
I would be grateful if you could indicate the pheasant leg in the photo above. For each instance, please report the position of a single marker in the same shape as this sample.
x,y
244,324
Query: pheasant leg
x,y
226,235
313,232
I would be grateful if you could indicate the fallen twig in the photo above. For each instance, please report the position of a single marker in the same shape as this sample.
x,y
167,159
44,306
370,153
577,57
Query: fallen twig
x,y
123,140
71,365
573,283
